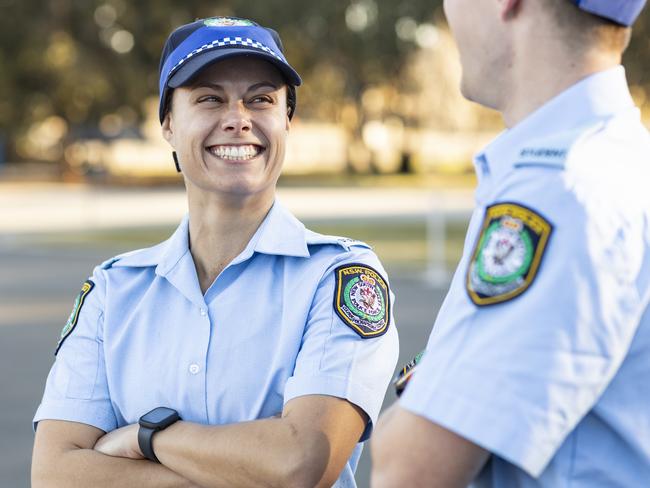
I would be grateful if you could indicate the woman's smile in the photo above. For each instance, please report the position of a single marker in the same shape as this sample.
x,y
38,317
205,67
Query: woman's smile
x,y
236,152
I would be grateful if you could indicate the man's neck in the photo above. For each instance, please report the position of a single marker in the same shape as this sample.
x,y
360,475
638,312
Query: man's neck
x,y
537,80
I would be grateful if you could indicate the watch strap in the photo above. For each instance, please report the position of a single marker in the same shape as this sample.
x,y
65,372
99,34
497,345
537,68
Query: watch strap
x,y
145,441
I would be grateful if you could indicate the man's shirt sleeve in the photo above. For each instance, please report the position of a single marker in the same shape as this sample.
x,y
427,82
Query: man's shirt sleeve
x,y
516,377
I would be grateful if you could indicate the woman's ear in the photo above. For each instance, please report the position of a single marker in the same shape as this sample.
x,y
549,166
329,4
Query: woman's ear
x,y
168,127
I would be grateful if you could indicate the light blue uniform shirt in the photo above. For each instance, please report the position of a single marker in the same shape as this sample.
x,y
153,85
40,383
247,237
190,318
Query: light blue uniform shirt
x,y
556,381
264,333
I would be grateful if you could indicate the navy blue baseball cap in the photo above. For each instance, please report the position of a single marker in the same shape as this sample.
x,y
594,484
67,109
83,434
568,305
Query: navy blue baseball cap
x,y
622,12
192,47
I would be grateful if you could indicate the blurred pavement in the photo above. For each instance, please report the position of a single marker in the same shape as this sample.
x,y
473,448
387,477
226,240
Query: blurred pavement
x,y
36,208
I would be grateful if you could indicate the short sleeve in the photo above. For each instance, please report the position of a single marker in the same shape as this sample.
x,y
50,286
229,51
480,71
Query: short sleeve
x,y
76,389
517,377
336,360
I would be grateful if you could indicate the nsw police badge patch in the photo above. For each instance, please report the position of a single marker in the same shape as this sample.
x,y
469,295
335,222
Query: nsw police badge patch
x,y
508,253
362,299
74,315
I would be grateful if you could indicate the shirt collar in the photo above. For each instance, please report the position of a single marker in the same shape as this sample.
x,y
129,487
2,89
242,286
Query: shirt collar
x,y
174,248
596,97
280,233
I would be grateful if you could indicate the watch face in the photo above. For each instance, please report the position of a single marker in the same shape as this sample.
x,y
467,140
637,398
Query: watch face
x,y
159,418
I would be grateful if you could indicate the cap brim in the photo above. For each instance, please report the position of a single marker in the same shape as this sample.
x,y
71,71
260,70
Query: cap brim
x,y
194,66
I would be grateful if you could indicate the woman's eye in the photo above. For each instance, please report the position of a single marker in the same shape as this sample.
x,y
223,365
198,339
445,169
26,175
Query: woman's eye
x,y
209,98
261,99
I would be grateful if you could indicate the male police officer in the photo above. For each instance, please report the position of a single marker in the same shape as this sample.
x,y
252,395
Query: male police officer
x,y
536,373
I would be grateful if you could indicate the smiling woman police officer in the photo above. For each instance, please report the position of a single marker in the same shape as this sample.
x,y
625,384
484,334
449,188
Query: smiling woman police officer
x,y
250,350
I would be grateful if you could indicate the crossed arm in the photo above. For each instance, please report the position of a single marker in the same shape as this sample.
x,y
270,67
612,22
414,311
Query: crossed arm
x,y
409,450
307,446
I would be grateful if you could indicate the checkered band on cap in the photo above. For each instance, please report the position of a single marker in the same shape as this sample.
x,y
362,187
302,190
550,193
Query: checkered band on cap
x,y
227,42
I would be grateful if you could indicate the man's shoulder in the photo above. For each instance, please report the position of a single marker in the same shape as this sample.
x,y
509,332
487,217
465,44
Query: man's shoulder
x,y
621,141
621,138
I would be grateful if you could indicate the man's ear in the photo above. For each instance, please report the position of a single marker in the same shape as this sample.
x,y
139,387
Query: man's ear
x,y
508,8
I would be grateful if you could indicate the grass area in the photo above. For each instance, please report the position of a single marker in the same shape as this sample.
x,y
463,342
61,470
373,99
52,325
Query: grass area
x,y
444,180
459,180
402,246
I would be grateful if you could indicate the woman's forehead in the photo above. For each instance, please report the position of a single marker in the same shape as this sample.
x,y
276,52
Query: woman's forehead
x,y
240,69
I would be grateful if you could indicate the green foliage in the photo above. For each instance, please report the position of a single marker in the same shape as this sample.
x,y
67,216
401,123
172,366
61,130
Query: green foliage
x,y
56,56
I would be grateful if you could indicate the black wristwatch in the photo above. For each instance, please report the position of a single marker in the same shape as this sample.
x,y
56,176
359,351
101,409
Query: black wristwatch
x,y
151,422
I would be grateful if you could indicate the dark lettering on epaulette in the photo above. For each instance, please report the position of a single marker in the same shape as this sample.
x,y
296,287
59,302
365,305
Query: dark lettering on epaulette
x,y
543,152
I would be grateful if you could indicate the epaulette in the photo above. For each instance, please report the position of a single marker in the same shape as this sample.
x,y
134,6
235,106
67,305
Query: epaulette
x,y
149,256
108,264
553,151
313,238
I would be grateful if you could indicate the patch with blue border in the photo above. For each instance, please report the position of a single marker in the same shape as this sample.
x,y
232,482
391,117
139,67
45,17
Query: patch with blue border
x,y
362,300
74,315
508,253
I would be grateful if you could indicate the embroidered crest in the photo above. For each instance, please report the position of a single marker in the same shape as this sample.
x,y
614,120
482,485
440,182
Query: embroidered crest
x,y
362,299
74,316
227,22
508,253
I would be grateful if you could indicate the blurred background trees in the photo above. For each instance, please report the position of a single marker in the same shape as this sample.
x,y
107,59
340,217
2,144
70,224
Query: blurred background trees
x,y
84,69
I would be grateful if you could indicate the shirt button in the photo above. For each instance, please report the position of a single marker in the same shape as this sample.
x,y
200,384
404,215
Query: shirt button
x,y
204,312
194,368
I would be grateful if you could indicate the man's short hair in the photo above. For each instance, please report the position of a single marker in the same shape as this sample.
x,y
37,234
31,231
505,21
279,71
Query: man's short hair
x,y
583,27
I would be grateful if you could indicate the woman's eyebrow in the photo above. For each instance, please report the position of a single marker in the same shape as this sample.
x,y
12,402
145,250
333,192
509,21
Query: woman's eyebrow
x,y
207,84
263,84
216,86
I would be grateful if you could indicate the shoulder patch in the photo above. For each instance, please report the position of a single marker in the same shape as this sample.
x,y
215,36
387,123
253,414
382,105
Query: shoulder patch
x,y
507,254
362,299
74,316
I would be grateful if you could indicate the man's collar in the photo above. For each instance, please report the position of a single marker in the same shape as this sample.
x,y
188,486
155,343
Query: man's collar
x,y
596,97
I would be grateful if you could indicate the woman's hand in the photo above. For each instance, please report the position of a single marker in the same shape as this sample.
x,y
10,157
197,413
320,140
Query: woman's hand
x,y
122,442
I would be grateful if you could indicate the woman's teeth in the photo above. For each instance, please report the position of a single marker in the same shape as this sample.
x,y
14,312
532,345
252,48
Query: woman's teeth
x,y
235,153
